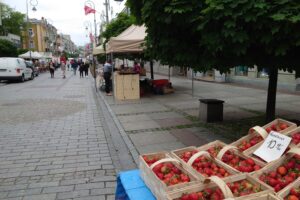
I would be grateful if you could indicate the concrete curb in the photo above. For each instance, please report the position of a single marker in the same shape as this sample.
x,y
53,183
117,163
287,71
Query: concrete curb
x,y
124,135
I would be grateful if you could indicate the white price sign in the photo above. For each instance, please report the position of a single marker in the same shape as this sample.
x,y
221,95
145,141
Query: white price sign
x,y
273,147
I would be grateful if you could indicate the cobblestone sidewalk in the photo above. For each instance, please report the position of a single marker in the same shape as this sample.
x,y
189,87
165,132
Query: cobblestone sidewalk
x,y
52,142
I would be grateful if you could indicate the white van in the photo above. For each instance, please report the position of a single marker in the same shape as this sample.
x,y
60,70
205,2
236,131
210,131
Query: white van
x,y
14,69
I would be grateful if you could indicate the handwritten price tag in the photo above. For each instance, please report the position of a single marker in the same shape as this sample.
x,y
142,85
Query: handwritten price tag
x,y
273,147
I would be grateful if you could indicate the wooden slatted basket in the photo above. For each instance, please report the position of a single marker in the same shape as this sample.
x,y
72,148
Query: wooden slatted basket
x,y
216,143
274,166
222,184
239,154
291,145
286,191
158,187
291,133
291,125
255,131
178,153
265,197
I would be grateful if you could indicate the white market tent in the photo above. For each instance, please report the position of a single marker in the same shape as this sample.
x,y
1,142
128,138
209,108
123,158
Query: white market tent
x,y
98,50
31,54
128,41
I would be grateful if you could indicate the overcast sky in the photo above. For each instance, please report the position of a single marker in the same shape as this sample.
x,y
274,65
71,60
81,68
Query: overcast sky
x,y
67,15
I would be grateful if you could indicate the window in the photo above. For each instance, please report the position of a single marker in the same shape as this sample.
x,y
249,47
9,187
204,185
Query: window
x,y
241,71
30,33
31,45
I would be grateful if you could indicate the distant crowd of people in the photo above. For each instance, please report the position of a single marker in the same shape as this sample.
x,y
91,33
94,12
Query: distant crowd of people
x,y
73,64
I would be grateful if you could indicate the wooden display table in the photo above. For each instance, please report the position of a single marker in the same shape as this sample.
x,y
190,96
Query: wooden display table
x,y
126,86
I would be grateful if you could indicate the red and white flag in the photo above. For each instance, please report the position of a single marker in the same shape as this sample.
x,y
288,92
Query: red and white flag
x,y
88,10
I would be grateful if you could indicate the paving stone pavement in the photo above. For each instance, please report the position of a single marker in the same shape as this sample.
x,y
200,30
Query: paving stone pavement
x,y
52,141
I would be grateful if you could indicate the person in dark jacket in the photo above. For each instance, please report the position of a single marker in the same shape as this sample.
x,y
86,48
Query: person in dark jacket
x,y
81,69
86,68
74,65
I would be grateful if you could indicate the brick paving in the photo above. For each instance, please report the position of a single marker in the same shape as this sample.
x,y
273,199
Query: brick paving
x,y
52,141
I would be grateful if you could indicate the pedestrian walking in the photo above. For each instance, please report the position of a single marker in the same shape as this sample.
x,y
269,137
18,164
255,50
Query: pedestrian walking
x,y
51,69
68,64
63,61
74,66
86,68
107,75
81,69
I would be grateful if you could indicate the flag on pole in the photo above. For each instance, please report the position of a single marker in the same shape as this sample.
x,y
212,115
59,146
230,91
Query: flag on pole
x,y
88,10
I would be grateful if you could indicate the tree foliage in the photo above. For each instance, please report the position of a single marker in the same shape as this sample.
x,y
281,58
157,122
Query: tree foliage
x,y
12,21
7,49
222,34
117,26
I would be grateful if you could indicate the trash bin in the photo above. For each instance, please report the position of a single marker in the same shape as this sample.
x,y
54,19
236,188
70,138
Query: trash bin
x,y
211,110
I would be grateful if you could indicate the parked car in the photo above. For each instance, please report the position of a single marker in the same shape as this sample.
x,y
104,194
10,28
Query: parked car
x,y
14,69
34,69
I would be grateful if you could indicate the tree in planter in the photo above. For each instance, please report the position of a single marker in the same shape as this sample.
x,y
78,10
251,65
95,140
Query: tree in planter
x,y
222,34
254,33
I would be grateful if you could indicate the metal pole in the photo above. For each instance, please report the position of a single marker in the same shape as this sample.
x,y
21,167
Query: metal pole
x,y
27,29
106,9
192,83
95,38
169,72
112,73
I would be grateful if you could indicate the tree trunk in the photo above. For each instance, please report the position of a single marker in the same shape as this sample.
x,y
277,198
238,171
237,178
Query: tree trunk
x,y
151,69
272,89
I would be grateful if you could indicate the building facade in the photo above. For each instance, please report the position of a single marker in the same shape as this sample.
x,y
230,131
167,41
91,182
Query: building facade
x,y
15,39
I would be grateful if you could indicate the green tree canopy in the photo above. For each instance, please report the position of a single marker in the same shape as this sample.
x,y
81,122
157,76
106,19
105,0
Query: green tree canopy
x,y
117,26
7,49
12,21
222,34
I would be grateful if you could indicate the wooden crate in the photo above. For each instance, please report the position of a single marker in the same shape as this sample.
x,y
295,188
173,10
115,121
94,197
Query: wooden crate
x,y
276,121
254,131
158,187
291,133
265,197
222,185
238,153
274,165
285,192
211,144
126,86
177,153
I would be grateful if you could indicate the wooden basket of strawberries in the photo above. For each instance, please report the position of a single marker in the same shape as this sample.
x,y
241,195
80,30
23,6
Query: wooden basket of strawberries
x,y
213,148
280,125
166,174
201,164
279,174
240,187
291,192
251,141
295,135
268,196
235,159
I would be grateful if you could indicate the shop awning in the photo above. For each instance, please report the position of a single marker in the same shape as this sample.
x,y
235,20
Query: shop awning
x,y
98,50
130,40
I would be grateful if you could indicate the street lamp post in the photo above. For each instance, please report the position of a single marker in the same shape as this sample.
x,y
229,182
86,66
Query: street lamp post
x,y
33,3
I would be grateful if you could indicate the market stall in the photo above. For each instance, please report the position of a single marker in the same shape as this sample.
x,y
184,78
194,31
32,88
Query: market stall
x,y
126,83
263,165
